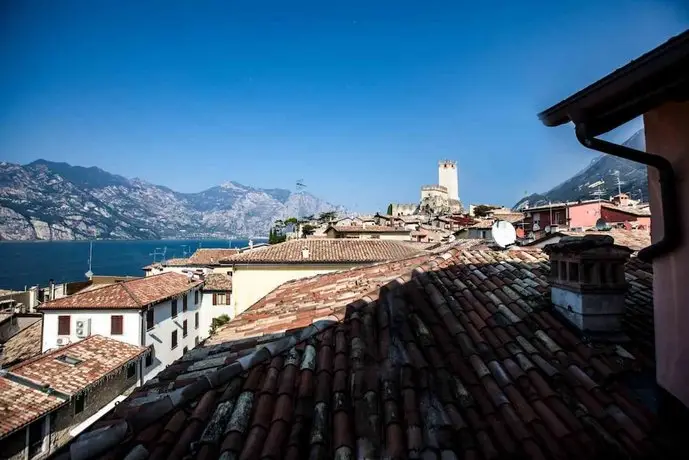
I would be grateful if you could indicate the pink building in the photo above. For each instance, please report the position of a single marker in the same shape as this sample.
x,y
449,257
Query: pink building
x,y
655,86
582,214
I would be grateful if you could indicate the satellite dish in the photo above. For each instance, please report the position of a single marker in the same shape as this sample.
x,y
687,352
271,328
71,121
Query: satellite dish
x,y
601,224
89,274
503,233
535,227
547,229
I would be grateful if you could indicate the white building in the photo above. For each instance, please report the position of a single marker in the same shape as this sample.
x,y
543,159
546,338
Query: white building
x,y
217,300
161,312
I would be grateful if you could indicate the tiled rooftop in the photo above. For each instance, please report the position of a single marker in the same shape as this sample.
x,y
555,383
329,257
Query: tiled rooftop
x,y
211,256
21,405
327,251
454,355
217,282
98,356
135,294
368,229
636,211
23,345
633,239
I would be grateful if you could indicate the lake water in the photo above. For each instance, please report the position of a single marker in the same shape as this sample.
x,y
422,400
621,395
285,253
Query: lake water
x,y
29,263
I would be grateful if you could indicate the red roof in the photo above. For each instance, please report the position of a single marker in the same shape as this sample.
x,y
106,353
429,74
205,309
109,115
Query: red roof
x,y
21,405
98,356
136,294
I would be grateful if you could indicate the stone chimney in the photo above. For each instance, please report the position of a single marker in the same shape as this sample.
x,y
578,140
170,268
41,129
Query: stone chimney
x,y
588,284
305,253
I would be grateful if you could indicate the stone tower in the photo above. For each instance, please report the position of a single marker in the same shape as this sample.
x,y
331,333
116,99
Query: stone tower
x,y
447,177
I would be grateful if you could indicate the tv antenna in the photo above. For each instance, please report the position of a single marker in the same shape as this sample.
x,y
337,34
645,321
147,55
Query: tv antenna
x,y
503,233
598,192
618,182
158,252
184,250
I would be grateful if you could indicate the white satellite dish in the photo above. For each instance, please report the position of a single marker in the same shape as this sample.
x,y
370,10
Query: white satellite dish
x,y
536,227
504,233
547,228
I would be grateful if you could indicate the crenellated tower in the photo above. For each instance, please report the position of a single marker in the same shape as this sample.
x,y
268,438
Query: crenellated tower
x,y
448,178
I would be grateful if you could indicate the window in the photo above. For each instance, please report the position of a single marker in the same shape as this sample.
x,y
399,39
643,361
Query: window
x,y
196,297
173,308
63,325
196,320
221,298
184,328
35,437
173,340
116,325
72,361
184,302
150,356
79,403
185,350
131,370
149,319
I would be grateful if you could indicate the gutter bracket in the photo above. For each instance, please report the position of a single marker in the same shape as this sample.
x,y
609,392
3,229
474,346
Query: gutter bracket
x,y
672,235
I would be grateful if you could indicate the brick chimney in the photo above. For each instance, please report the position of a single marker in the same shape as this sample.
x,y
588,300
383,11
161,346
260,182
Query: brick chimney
x,y
588,283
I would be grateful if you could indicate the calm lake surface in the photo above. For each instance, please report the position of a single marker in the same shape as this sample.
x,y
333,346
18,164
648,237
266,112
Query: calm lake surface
x,y
29,263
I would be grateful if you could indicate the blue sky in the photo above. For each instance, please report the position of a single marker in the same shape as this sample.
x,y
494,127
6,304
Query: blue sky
x,y
358,98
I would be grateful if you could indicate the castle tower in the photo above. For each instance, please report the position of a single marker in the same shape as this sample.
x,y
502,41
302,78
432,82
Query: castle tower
x,y
447,177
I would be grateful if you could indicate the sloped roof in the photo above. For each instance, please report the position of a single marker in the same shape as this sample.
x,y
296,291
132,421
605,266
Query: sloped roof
x,y
211,256
632,210
217,282
99,357
21,405
327,250
23,345
458,356
135,294
633,239
367,229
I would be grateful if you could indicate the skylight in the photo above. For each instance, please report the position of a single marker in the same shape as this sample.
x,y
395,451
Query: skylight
x,y
69,360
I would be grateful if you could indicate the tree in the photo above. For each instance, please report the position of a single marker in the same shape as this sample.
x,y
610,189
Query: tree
x,y
217,322
390,209
327,216
482,210
291,220
307,230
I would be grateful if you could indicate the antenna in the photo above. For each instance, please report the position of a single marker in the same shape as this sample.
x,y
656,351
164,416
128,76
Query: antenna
x,y
184,250
598,192
300,188
503,233
89,273
618,182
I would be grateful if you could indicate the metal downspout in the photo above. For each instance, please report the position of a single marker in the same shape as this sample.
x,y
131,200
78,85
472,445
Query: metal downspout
x,y
672,235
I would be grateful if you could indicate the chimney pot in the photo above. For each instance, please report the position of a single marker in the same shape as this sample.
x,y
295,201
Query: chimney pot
x,y
588,283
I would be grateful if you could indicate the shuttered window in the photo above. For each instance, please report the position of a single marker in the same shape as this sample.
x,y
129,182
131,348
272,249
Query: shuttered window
x,y
184,302
173,344
63,325
116,325
173,308
184,328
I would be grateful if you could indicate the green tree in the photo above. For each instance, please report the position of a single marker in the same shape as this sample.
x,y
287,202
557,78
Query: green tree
x,y
217,322
291,220
307,230
327,216
390,209
482,210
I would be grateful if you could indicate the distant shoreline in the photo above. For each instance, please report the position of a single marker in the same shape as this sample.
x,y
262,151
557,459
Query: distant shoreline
x,y
261,238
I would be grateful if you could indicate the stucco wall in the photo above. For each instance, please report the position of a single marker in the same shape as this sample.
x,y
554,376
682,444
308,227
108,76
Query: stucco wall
x,y
583,215
100,324
210,311
251,282
667,135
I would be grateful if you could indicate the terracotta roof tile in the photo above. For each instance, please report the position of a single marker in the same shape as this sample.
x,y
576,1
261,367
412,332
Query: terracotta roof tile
x,y
21,405
135,294
368,229
328,251
98,357
422,357
23,345
211,256
217,282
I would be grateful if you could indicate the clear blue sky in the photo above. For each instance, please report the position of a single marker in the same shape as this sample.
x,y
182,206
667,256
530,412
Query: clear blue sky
x,y
358,98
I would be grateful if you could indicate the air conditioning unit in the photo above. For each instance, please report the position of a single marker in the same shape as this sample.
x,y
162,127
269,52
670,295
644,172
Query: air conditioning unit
x,y
83,327
62,341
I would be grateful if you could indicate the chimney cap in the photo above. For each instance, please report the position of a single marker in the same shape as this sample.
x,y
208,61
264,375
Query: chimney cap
x,y
579,244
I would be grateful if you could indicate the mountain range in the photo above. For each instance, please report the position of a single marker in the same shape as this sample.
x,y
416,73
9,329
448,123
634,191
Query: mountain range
x,y
46,200
599,179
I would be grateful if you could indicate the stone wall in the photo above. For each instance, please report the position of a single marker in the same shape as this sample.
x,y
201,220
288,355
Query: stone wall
x,y
97,397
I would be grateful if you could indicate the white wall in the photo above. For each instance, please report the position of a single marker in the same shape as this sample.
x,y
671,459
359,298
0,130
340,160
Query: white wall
x,y
251,282
160,336
210,311
100,324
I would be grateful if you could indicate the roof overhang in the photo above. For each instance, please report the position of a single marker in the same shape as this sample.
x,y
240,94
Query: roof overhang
x,y
653,79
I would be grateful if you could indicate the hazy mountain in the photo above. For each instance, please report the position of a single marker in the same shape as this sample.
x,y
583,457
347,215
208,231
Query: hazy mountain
x,y
48,200
599,175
